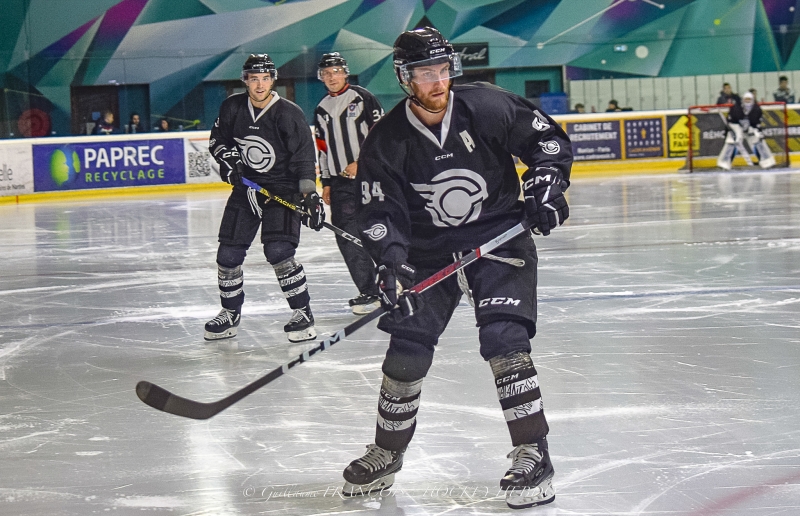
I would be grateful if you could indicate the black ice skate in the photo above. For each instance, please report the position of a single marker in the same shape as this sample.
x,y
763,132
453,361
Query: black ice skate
x,y
372,472
529,481
224,325
301,326
364,304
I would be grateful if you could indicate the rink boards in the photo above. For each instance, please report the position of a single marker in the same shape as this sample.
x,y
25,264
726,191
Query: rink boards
x,y
602,144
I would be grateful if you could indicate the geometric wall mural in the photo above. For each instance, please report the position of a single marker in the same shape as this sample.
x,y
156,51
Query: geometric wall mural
x,y
182,48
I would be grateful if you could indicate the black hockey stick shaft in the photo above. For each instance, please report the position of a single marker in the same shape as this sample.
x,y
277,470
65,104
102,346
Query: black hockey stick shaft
x,y
260,189
163,400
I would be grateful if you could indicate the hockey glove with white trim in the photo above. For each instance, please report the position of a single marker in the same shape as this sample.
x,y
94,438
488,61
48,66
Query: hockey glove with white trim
x,y
231,168
545,203
314,216
393,280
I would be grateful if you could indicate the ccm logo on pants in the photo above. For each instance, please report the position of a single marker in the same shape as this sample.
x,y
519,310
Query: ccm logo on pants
x,y
498,301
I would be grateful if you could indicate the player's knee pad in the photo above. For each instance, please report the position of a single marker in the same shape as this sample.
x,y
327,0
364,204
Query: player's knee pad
x,y
292,280
503,337
520,398
397,413
278,251
231,286
407,360
231,255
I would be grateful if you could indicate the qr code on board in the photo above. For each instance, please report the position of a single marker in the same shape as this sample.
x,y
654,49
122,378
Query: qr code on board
x,y
199,164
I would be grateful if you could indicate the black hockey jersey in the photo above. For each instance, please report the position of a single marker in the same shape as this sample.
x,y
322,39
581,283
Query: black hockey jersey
x,y
736,115
275,143
425,194
341,123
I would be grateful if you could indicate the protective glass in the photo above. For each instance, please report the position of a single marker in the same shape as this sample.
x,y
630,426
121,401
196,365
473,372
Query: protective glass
x,y
334,71
431,70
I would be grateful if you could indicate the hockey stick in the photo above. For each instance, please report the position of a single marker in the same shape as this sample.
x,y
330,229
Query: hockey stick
x,y
260,189
163,400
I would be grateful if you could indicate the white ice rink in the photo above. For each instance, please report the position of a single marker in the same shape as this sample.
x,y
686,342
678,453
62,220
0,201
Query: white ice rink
x,y
668,353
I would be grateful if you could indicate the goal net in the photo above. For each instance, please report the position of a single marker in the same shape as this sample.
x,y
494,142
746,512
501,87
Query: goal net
x,y
707,128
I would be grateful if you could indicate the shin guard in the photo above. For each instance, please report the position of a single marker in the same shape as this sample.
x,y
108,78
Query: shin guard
x,y
231,286
518,391
397,413
292,279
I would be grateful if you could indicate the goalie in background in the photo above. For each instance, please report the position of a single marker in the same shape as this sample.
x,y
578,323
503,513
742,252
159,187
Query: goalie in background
x,y
744,123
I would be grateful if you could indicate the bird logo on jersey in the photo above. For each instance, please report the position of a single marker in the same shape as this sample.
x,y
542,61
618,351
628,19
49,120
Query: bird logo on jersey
x,y
257,153
454,197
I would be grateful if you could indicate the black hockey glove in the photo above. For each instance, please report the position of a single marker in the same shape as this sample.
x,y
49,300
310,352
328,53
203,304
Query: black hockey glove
x,y
545,204
231,168
393,279
314,216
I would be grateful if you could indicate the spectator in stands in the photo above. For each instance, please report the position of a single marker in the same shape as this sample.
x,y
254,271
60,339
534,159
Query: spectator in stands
x,y
727,96
754,92
613,105
106,124
135,125
579,108
163,126
784,93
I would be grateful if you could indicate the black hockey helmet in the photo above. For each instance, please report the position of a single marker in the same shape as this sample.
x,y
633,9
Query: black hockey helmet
x,y
259,63
423,47
330,60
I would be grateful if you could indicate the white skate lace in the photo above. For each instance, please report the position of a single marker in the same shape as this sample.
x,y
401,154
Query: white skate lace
x,y
525,457
223,317
376,458
298,316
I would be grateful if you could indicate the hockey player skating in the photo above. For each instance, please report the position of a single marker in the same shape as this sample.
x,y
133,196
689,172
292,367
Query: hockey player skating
x,y
341,122
744,123
264,138
437,177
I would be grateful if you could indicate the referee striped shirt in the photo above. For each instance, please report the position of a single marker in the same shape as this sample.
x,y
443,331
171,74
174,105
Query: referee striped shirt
x,y
341,122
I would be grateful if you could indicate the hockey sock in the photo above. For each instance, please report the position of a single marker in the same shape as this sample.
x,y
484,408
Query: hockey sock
x,y
292,279
231,283
397,413
518,390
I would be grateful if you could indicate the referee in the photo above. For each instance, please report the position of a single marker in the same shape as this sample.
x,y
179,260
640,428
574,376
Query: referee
x,y
341,122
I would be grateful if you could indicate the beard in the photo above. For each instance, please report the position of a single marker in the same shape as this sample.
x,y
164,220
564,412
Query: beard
x,y
432,103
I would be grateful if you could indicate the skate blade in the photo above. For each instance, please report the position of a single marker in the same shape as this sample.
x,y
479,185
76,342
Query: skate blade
x,y
524,497
365,489
302,335
366,309
227,334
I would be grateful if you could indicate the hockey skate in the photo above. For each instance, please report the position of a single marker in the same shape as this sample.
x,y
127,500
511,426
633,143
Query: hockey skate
x,y
301,326
364,304
372,472
224,325
529,481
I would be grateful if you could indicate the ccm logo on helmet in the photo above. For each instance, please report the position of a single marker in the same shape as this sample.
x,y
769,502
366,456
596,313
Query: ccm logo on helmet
x,y
498,301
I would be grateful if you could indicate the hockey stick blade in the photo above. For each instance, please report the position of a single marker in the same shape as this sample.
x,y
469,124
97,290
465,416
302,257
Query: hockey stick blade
x,y
263,191
165,401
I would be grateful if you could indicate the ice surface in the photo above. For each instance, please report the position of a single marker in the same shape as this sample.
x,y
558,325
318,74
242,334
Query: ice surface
x,y
668,352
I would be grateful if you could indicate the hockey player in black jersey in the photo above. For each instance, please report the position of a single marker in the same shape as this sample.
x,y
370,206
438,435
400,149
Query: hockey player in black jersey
x,y
438,178
266,139
744,123
341,122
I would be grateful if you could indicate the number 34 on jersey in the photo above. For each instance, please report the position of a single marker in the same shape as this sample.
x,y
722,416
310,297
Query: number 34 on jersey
x,y
368,193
